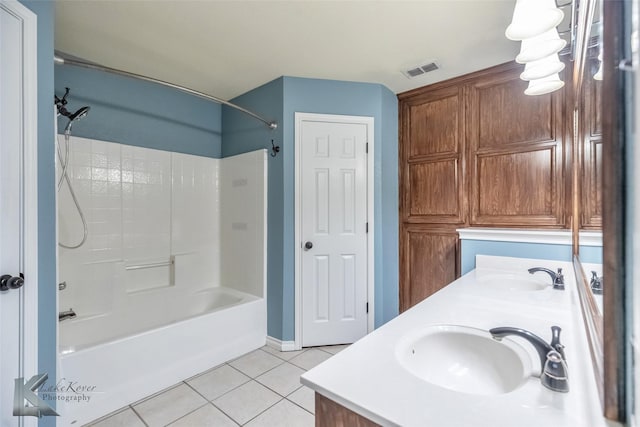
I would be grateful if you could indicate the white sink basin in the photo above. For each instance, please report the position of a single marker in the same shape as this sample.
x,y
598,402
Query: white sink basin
x,y
464,359
513,282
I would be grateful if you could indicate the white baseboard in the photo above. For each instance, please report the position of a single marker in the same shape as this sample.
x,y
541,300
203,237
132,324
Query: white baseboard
x,y
281,345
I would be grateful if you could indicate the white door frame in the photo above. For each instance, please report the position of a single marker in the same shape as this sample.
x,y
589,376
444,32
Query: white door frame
x,y
30,189
369,122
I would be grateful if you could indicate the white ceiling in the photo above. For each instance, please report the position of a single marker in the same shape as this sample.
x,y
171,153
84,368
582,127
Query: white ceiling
x,y
226,48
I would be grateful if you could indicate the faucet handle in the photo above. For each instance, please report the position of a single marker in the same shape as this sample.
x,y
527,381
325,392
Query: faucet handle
x,y
596,283
558,283
555,340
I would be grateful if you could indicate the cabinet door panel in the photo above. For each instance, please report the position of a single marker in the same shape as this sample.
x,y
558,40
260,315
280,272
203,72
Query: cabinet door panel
x,y
517,146
506,116
434,126
433,188
591,162
431,157
516,184
430,263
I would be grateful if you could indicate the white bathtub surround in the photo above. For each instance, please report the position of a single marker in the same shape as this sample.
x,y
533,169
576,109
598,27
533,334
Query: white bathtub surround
x,y
369,379
155,289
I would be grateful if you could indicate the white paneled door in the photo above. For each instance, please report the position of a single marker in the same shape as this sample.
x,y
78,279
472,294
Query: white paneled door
x,y
18,220
333,229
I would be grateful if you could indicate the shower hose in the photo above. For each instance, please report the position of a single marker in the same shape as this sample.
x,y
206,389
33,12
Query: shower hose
x,y
64,162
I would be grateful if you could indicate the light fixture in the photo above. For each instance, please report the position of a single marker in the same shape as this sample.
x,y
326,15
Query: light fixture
x,y
540,46
542,68
532,18
598,74
544,85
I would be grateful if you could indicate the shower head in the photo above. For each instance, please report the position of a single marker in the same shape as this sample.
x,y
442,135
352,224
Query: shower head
x,y
82,112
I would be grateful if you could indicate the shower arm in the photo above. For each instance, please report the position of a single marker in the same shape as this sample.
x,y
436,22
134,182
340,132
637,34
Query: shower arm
x,y
60,60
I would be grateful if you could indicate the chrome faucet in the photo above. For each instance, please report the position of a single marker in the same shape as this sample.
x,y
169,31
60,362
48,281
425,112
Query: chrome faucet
x,y
553,370
556,278
64,315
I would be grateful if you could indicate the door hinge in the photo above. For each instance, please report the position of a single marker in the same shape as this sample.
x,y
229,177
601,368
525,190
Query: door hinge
x,y
366,227
367,307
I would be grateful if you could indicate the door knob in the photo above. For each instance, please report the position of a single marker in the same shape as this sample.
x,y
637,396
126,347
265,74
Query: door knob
x,y
308,245
8,281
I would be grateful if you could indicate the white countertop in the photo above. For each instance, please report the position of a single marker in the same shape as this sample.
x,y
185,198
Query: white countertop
x,y
367,378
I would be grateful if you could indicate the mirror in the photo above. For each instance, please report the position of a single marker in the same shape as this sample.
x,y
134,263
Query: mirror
x,y
587,177
598,193
589,141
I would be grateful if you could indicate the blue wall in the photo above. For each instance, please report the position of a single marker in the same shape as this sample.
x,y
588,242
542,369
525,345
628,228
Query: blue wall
x,y
140,113
280,100
471,248
242,134
388,225
47,288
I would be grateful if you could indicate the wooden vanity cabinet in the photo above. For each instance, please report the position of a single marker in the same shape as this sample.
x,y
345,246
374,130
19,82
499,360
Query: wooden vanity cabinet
x,y
475,151
332,414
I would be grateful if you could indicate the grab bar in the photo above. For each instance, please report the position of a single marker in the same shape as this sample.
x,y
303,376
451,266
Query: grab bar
x,y
151,265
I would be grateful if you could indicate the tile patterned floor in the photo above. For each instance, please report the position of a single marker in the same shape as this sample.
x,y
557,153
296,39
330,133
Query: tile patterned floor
x,y
261,388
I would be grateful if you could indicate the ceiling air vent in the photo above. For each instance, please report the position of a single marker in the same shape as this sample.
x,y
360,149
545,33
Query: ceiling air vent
x,y
420,70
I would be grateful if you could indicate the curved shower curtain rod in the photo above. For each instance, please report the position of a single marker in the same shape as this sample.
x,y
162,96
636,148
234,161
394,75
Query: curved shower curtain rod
x,y
58,59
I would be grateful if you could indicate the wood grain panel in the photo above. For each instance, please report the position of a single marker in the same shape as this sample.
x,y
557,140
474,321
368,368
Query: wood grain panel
x,y
517,153
590,136
595,112
591,186
434,126
506,116
431,262
332,414
434,189
516,184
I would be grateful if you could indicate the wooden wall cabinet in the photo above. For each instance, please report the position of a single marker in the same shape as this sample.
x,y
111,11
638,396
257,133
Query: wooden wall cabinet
x,y
432,188
476,151
591,152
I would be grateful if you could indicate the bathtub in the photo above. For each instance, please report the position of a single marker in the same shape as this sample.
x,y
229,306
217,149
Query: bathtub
x,y
218,324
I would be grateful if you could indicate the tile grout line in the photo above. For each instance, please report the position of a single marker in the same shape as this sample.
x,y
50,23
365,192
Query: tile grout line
x,y
156,394
282,362
204,372
275,391
138,415
228,391
281,397
226,414
188,413
262,412
197,392
298,405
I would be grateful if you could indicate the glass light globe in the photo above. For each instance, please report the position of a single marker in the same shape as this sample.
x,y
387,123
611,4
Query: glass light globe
x,y
532,18
542,68
544,85
540,46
